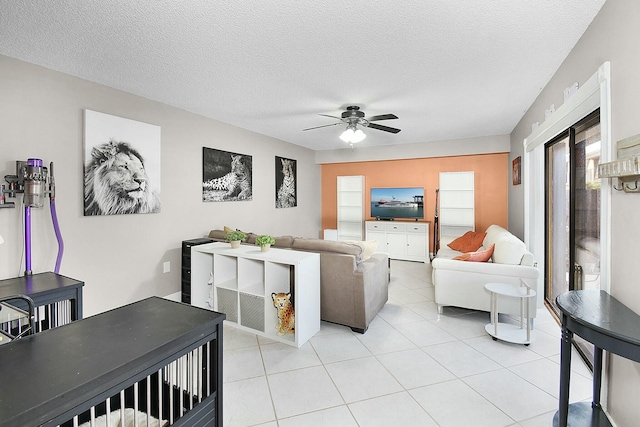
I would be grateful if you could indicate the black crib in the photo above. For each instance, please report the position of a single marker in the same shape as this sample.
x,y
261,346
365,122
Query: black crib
x,y
159,359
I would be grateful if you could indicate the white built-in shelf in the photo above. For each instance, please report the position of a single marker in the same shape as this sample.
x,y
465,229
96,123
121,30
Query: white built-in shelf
x,y
350,207
457,203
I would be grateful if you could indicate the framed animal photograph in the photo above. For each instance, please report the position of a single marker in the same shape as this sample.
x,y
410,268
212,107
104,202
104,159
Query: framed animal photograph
x,y
121,165
226,176
286,184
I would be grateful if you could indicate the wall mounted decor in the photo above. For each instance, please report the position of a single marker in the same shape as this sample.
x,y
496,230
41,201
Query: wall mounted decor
x,y
225,176
286,183
516,170
121,165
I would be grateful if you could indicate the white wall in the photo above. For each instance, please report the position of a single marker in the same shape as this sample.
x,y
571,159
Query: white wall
x,y
120,257
613,36
455,147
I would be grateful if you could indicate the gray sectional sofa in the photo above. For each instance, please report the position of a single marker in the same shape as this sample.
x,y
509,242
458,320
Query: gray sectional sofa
x,y
353,285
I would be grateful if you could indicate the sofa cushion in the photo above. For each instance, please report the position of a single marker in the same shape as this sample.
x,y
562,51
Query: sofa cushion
x,y
317,245
479,256
493,233
469,242
229,229
218,234
283,241
369,247
509,250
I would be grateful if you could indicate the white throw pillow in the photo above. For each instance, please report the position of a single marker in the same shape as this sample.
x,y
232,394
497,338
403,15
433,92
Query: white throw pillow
x,y
369,247
494,233
509,251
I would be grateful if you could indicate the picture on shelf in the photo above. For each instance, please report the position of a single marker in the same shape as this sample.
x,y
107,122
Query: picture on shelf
x,y
226,176
286,195
121,165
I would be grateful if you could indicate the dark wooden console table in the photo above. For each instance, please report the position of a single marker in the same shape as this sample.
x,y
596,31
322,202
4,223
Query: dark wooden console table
x,y
60,296
609,325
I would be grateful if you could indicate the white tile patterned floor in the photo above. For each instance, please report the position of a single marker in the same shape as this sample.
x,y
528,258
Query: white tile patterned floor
x,y
412,367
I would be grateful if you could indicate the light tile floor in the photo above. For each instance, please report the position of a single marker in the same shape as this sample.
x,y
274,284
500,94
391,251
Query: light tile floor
x,y
412,367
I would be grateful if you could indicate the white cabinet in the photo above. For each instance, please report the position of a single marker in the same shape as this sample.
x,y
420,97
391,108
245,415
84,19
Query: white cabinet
x,y
401,240
457,203
350,207
239,282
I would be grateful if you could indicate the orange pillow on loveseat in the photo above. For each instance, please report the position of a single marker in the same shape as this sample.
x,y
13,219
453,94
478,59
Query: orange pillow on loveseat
x,y
481,256
469,242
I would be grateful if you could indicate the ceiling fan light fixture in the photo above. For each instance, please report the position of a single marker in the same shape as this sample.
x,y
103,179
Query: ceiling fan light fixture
x,y
352,135
347,135
358,136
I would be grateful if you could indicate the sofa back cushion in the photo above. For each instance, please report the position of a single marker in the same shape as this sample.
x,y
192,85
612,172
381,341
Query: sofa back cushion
x,y
508,248
509,251
218,234
283,242
492,234
317,245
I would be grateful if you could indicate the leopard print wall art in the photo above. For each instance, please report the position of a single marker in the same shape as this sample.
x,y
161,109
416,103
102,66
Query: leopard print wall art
x,y
286,194
226,176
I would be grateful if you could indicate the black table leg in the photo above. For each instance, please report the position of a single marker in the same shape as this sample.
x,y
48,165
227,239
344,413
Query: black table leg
x,y
565,374
597,376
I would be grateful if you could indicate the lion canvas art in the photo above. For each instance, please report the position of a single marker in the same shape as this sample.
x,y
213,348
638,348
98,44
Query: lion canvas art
x,y
118,179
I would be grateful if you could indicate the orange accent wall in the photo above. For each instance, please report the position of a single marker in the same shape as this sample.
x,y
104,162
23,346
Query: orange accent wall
x,y
492,173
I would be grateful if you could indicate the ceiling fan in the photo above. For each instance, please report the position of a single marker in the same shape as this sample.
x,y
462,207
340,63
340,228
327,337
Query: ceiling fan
x,y
353,117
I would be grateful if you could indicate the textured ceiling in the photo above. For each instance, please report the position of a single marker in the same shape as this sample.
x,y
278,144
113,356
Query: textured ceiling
x,y
448,69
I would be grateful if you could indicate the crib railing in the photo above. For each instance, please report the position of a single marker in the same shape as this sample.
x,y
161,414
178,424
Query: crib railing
x,y
159,399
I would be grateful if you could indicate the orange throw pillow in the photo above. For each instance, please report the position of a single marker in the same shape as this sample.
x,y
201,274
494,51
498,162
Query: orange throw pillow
x,y
468,242
482,256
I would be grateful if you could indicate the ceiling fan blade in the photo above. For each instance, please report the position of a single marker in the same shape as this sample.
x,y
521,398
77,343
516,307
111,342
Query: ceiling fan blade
x,y
323,126
333,117
384,128
382,117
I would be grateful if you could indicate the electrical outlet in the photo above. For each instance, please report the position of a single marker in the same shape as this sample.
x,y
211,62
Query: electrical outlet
x,y
166,267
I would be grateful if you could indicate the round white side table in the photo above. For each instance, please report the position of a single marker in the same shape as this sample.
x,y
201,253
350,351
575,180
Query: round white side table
x,y
517,334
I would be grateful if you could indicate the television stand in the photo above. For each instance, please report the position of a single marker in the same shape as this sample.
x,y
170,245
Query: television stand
x,y
401,239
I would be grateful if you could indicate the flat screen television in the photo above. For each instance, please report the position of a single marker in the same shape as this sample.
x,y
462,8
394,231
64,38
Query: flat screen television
x,y
397,202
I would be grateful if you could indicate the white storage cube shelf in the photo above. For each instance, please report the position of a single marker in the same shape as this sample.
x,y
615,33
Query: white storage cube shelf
x,y
239,282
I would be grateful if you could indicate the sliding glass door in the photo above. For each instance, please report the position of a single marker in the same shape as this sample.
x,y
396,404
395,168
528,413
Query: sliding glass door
x,y
573,213
558,219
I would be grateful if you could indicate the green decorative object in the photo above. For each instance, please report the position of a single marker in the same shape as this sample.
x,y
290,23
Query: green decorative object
x,y
265,241
235,237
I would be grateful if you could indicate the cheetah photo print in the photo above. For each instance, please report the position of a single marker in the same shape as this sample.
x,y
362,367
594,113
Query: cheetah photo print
x,y
225,176
286,196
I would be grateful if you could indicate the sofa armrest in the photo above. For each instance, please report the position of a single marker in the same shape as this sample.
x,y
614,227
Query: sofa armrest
x,y
375,261
489,268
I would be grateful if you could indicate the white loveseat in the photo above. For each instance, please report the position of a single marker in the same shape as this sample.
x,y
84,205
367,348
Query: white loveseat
x,y
461,283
